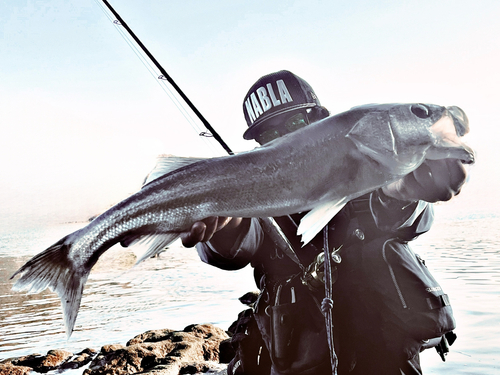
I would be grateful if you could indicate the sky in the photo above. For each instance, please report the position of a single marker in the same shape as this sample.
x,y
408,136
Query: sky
x,y
83,117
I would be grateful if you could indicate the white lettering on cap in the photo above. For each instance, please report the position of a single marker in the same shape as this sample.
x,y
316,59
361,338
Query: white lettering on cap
x,y
273,97
284,94
256,106
251,115
266,99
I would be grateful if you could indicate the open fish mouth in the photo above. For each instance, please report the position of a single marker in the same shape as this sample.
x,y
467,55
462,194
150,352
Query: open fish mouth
x,y
448,131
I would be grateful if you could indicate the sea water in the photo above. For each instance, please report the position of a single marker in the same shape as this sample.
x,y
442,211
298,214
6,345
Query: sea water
x,y
176,289
464,256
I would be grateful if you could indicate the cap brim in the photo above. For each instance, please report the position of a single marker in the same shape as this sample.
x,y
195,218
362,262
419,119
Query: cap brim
x,y
255,128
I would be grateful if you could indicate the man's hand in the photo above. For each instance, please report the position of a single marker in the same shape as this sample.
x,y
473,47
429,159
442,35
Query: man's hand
x,y
202,231
433,181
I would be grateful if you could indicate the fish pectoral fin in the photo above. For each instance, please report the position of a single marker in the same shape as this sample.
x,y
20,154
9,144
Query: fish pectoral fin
x,y
314,221
53,269
155,244
373,136
168,163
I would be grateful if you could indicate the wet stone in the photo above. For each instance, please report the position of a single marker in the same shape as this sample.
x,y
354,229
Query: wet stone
x,y
162,352
193,350
53,360
40,363
31,360
7,368
79,360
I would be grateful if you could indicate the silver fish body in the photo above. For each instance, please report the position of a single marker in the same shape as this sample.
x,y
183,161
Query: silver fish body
x,y
324,164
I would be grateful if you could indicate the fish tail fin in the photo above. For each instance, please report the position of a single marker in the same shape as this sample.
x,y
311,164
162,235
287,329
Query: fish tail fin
x,y
53,269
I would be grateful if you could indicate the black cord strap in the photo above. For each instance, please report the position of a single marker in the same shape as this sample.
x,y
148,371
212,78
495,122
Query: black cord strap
x,y
327,303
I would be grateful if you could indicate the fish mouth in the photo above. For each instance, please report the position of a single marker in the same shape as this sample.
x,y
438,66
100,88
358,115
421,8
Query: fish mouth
x,y
460,120
448,131
461,123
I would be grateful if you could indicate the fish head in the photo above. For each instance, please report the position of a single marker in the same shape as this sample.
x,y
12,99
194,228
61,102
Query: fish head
x,y
401,136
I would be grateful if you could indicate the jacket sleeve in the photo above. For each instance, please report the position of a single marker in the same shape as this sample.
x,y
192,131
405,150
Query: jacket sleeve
x,y
239,255
405,219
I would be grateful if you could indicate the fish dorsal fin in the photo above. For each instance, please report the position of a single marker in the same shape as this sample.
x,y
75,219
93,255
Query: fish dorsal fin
x,y
314,221
169,163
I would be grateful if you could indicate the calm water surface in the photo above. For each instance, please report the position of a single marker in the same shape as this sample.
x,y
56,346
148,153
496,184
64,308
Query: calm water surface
x,y
177,289
119,302
464,255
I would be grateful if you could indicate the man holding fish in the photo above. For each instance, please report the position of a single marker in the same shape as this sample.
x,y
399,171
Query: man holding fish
x,y
291,337
363,177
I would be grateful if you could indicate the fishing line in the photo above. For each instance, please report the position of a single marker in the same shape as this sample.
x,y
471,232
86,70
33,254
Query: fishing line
x,y
151,70
160,79
149,67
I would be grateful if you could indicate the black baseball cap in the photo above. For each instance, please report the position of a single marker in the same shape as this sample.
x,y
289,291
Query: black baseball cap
x,y
273,95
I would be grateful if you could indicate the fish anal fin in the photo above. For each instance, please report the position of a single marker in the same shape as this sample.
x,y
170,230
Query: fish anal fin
x,y
314,221
130,240
155,244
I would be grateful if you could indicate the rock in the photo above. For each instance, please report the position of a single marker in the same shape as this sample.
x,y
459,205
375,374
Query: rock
x,y
111,348
53,360
59,360
79,360
193,350
249,298
150,336
164,352
194,368
7,368
212,336
39,363
31,360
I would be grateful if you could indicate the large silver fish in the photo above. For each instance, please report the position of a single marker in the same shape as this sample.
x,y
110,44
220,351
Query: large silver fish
x,y
318,168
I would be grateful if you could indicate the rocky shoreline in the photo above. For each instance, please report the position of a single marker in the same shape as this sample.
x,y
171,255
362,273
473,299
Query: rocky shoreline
x,y
198,348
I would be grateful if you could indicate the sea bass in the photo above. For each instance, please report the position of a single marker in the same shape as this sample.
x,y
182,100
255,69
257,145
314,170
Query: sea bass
x,y
317,168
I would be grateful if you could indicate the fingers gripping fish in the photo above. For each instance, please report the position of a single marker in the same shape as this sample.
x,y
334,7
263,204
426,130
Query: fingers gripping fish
x,y
317,168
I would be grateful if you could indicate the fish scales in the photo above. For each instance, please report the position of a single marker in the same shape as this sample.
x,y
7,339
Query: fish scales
x,y
317,168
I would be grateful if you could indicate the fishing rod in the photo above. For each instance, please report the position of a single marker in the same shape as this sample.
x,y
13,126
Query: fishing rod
x,y
269,223
167,77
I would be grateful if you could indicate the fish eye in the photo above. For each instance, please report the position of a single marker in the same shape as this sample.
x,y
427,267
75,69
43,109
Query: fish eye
x,y
420,110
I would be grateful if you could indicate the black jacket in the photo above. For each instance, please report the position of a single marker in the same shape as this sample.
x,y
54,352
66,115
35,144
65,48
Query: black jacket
x,y
301,347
